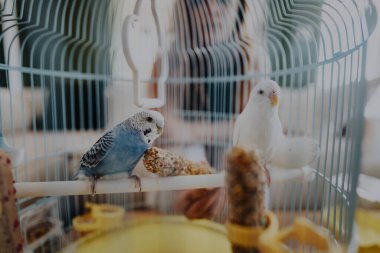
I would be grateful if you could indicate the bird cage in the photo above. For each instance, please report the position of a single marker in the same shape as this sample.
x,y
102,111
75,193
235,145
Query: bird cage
x,y
70,70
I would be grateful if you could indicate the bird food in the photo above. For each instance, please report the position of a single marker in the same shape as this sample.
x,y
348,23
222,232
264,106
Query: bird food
x,y
10,233
245,180
166,163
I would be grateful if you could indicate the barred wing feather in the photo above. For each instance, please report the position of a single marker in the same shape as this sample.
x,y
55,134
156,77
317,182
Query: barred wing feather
x,y
98,151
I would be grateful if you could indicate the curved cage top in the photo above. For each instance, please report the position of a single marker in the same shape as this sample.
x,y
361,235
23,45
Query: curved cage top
x,y
73,40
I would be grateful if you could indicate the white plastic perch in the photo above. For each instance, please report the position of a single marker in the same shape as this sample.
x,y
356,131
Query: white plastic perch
x,y
64,188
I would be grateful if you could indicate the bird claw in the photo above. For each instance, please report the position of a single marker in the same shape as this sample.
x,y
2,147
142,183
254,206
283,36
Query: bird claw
x,y
308,174
93,181
267,173
137,181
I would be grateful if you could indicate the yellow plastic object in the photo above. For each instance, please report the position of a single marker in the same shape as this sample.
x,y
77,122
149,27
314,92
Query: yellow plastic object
x,y
336,216
368,225
101,217
271,239
157,234
108,216
85,223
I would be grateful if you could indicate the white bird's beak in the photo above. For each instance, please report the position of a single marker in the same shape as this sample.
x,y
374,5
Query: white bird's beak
x,y
273,99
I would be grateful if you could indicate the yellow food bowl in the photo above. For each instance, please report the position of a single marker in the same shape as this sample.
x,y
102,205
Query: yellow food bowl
x,y
108,216
85,223
101,217
157,234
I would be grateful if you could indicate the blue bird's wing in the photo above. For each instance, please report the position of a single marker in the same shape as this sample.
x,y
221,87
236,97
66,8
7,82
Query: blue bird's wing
x,y
98,151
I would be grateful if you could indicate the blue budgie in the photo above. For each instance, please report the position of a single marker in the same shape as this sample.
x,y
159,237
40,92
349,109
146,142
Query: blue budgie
x,y
120,149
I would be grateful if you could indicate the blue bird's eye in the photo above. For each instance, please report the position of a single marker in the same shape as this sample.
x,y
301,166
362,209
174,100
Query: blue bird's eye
x,y
149,119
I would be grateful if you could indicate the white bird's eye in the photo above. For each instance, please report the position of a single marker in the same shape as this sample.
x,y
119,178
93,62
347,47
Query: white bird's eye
x,y
261,92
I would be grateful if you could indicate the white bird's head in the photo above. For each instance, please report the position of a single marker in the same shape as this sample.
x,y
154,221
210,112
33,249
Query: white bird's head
x,y
266,93
149,123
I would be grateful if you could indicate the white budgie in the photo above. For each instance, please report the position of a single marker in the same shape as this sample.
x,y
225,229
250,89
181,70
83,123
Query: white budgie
x,y
258,127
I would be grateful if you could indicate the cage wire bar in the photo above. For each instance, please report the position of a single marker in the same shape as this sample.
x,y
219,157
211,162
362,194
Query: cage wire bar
x,y
64,81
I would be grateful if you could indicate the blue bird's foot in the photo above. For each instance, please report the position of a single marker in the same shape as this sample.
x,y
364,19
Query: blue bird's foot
x,y
93,180
137,181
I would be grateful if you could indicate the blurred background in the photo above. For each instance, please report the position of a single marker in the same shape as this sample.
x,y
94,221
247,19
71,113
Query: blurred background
x,y
64,80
